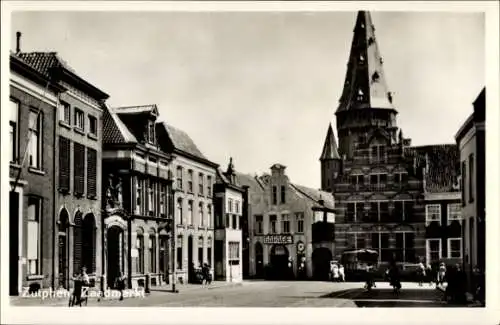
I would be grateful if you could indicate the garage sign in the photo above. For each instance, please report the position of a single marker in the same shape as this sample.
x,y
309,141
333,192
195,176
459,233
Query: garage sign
x,y
278,239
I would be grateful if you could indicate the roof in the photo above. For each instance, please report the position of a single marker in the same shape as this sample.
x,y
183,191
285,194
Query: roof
x,y
181,141
365,83
315,195
442,163
44,62
250,181
153,109
477,116
114,130
330,149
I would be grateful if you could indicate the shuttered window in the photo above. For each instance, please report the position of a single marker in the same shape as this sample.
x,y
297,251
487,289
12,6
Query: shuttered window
x,y
91,173
64,163
79,168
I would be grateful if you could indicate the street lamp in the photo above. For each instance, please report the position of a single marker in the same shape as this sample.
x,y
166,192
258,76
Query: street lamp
x,y
173,233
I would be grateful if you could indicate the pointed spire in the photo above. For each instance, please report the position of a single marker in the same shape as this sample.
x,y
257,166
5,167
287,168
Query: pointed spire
x,y
330,150
230,167
365,84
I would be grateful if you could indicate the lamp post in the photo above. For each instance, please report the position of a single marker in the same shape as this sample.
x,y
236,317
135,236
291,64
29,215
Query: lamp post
x,y
173,235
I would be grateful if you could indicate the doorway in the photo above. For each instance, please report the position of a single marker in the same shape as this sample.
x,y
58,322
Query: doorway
x,y
63,256
279,262
321,258
191,275
115,254
14,243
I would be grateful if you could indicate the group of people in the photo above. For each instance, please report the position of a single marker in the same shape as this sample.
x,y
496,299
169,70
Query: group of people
x,y
337,272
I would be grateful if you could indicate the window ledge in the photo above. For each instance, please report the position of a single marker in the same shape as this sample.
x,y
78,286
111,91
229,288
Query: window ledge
x,y
36,171
64,124
15,165
35,277
92,136
92,197
79,130
79,195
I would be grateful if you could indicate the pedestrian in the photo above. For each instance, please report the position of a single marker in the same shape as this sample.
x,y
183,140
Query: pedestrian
x,y
81,283
420,273
429,274
341,273
120,284
394,277
205,274
335,272
441,274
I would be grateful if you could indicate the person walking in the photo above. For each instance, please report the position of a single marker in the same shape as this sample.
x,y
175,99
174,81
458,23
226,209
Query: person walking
x,y
421,273
341,273
394,277
80,281
120,284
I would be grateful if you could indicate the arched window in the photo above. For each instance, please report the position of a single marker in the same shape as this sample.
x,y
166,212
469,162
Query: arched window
x,y
200,212
63,240
180,216
140,250
88,243
152,251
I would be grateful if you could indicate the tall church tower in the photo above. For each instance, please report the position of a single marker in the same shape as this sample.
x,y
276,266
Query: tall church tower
x,y
366,105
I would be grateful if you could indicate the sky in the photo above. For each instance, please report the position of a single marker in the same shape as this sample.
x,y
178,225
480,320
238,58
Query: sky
x,y
262,87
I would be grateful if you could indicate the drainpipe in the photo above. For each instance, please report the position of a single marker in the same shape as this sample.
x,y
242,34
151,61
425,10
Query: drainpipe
x,y
55,193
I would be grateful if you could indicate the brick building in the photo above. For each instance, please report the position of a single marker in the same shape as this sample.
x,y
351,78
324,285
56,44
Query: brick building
x,y
288,224
32,109
377,178
194,178
137,197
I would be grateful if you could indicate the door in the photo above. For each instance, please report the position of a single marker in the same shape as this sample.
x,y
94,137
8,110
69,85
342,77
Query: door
x,y
63,260
191,276
115,254
259,261
14,243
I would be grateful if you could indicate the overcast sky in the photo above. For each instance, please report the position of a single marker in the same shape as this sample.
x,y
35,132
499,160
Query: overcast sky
x,y
262,87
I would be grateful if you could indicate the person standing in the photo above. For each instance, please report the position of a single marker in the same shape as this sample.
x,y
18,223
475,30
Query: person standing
x,y
341,273
420,273
120,284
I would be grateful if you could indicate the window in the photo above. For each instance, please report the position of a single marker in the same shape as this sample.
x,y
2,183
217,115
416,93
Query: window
x,y
230,205
179,178
209,186
283,193
163,199
237,206
275,195
140,253
151,132
151,200
79,168
378,180
200,251
378,153
190,213
190,181
179,252
357,179
300,222
403,210
360,241
180,215
13,130
209,216
355,211
228,220
272,224
65,113
235,221
209,251
201,186
433,250
201,217
400,178
33,234
471,178
385,251
35,140
432,213
234,250
285,223
93,125
138,196
258,224
409,251
383,210
91,173
455,247
152,253
79,121
454,212
464,178
64,163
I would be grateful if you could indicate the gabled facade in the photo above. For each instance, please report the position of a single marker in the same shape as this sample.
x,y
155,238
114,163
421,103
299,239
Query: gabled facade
x,y
281,227
229,203
194,177
380,183
137,198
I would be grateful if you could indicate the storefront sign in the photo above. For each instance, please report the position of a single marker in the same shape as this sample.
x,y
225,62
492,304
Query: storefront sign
x,y
278,239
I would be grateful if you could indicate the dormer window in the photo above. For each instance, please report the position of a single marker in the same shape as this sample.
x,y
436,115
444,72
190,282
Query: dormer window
x,y
151,132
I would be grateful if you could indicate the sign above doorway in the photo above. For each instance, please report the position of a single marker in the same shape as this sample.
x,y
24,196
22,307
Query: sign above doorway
x,y
278,239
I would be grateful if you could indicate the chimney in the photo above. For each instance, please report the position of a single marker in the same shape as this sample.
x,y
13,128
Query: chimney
x,y
18,42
